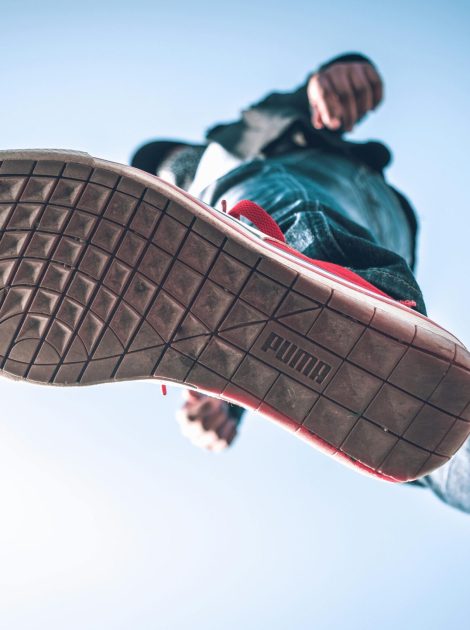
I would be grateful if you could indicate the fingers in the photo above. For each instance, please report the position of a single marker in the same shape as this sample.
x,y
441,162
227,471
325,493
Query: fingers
x,y
376,84
362,91
317,119
326,106
203,408
344,89
191,394
343,93
226,436
206,423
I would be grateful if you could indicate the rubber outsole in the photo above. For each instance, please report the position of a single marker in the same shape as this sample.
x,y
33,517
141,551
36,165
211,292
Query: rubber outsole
x,y
109,274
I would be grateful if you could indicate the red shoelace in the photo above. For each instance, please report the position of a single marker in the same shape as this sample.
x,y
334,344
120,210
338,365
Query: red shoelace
x,y
268,226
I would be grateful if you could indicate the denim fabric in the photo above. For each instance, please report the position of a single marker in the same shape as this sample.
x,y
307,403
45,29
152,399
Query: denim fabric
x,y
331,208
451,482
337,209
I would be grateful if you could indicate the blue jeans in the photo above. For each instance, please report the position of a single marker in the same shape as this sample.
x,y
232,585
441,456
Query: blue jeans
x,y
331,208
334,208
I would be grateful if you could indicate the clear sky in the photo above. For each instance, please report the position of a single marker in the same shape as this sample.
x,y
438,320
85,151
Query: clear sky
x,y
108,518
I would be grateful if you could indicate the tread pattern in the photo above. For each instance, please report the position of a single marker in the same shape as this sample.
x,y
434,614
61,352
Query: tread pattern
x,y
103,278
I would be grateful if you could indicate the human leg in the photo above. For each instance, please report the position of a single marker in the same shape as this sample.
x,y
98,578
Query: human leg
x,y
309,205
334,209
111,274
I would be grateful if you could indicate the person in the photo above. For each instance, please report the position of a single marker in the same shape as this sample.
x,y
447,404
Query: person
x,y
269,267
288,147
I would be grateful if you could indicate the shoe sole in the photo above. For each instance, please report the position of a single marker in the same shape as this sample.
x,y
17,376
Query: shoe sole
x,y
110,274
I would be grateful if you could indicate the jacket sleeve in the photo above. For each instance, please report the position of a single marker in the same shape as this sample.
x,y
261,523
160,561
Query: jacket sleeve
x,y
298,98
267,120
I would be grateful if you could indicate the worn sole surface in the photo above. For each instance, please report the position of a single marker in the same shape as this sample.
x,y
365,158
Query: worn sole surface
x,y
110,274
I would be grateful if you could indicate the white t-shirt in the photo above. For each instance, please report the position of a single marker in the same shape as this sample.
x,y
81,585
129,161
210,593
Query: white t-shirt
x,y
215,162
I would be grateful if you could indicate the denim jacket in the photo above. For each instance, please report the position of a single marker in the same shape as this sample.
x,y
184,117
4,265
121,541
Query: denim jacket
x,y
281,115
268,127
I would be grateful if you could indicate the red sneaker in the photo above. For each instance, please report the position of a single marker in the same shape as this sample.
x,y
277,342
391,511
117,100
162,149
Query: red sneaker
x,y
111,274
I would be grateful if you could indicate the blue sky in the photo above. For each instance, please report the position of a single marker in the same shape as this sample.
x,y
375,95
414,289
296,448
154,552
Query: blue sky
x,y
109,519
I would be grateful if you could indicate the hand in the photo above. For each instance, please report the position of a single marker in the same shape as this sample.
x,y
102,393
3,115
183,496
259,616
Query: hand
x,y
206,421
343,93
